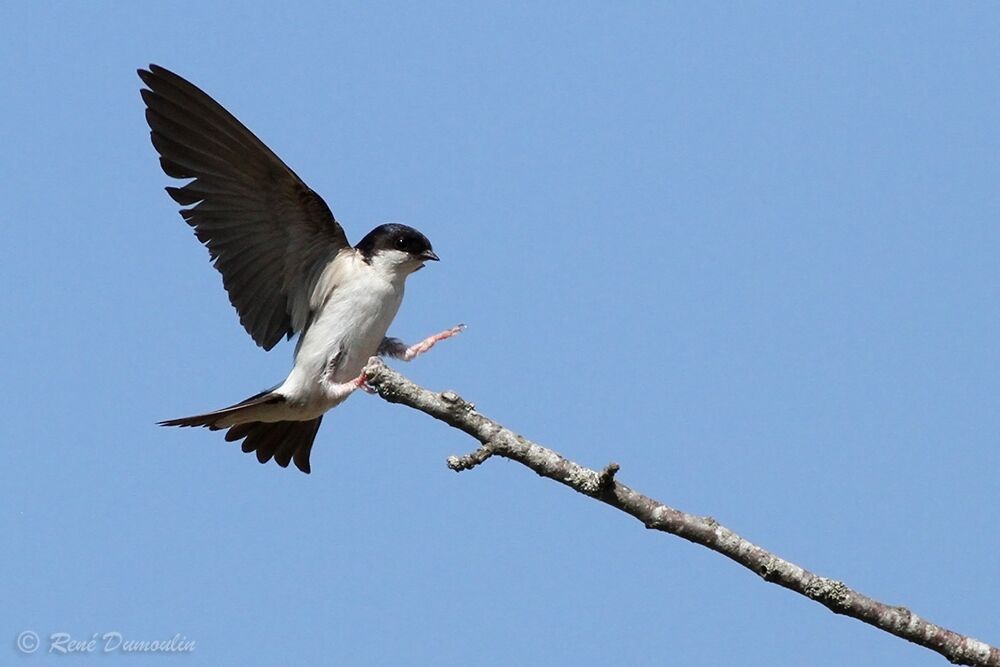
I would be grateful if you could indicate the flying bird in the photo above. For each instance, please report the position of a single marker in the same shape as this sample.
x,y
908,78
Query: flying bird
x,y
286,265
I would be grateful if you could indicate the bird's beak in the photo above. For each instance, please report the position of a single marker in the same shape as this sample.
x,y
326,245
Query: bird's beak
x,y
428,255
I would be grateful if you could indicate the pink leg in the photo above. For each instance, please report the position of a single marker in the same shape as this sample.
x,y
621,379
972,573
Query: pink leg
x,y
341,390
416,350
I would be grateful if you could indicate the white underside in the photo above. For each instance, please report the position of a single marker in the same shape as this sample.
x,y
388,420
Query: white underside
x,y
354,305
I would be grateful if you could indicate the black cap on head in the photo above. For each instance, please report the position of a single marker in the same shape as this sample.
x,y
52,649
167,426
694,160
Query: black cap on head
x,y
394,236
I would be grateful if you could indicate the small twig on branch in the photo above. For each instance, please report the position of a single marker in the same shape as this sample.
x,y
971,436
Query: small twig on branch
x,y
470,460
706,531
607,477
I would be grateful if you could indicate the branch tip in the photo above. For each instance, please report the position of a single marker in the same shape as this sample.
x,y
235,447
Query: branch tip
x,y
373,371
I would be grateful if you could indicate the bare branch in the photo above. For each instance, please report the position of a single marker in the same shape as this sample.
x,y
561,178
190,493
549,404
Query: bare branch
x,y
706,531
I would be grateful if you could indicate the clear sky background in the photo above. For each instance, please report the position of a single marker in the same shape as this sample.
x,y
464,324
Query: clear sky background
x,y
748,252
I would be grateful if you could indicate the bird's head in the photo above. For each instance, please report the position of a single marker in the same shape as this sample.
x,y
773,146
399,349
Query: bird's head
x,y
396,249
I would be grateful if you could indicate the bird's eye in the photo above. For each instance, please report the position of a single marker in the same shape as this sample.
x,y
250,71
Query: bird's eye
x,y
401,243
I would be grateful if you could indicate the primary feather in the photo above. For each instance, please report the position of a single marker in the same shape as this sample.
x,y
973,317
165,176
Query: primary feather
x,y
267,232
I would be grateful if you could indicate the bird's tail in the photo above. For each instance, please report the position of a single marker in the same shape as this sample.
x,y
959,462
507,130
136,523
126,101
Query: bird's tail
x,y
284,441
242,412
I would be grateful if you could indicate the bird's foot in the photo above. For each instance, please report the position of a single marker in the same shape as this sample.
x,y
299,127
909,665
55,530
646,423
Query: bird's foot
x,y
416,350
361,382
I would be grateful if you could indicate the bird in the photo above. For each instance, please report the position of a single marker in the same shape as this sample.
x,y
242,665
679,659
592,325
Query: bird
x,y
286,265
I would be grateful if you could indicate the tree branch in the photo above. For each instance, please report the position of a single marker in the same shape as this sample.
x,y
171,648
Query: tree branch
x,y
835,595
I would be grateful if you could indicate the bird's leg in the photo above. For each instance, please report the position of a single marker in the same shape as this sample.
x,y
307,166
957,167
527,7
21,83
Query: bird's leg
x,y
393,347
339,391
414,351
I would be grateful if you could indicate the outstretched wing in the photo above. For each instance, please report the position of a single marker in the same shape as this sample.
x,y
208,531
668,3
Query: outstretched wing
x,y
268,234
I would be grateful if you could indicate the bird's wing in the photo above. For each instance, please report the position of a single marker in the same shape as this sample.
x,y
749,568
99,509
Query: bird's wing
x,y
268,234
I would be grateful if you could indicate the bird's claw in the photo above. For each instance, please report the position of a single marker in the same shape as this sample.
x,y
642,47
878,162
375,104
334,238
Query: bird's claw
x,y
362,383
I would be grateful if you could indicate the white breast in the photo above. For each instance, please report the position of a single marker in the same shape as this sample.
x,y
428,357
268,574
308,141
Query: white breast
x,y
356,303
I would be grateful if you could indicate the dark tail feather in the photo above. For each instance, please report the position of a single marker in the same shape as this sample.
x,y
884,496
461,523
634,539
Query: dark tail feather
x,y
285,441
301,454
209,419
282,441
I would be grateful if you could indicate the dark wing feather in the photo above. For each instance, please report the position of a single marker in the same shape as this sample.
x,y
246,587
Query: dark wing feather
x,y
267,233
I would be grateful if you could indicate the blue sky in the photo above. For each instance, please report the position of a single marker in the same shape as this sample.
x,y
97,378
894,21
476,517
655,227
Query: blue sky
x,y
747,251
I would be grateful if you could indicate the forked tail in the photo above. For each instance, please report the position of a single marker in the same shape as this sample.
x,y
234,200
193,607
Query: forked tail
x,y
284,441
242,412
